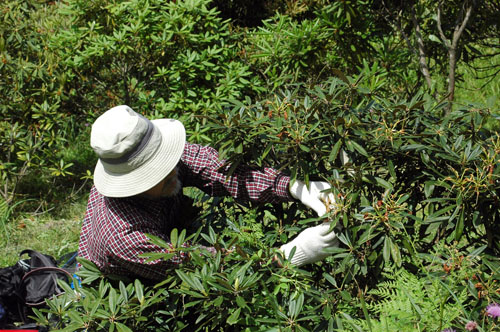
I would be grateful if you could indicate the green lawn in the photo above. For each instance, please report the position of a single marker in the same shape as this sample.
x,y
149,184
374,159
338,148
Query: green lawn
x,y
50,233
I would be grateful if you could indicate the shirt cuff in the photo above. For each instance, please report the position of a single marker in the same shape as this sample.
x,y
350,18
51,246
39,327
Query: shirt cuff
x,y
282,187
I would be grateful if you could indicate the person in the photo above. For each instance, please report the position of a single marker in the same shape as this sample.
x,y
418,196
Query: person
x,y
138,179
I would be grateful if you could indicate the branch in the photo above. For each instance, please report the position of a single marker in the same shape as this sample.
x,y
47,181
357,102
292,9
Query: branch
x,y
397,21
405,37
452,47
421,49
440,29
459,30
489,78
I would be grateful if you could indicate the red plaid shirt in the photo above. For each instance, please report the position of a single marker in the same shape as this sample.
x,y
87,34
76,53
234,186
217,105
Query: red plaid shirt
x,y
114,229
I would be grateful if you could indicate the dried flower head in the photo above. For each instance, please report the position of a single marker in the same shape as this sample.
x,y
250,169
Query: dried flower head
x,y
471,325
493,310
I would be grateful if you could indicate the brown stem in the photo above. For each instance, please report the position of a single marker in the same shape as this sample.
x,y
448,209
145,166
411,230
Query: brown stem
x,y
453,46
421,50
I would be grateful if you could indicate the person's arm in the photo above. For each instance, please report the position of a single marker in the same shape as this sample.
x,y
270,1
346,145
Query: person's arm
x,y
200,167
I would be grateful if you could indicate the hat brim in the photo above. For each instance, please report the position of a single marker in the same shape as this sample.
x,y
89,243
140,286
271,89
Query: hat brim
x,y
152,171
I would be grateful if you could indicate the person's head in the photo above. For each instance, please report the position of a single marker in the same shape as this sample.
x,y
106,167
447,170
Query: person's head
x,y
168,187
136,155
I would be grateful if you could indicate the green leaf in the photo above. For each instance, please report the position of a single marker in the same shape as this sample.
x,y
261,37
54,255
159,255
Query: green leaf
x,y
459,227
158,241
191,280
396,254
415,306
351,322
122,327
330,279
413,147
181,238
340,75
367,235
295,306
335,151
359,148
153,256
173,237
476,252
390,166
113,297
241,302
435,39
428,188
139,291
123,291
386,252
304,148
383,183
365,311
88,265
233,318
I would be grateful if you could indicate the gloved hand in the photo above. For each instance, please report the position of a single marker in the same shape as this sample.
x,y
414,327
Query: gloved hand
x,y
310,244
312,197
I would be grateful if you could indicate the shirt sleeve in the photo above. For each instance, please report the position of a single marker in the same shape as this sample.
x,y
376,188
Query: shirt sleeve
x,y
200,167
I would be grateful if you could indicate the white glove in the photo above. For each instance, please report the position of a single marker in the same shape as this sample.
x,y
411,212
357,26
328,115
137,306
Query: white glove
x,y
310,243
312,197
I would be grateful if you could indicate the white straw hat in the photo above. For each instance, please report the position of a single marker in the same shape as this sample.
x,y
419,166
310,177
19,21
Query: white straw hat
x,y
134,153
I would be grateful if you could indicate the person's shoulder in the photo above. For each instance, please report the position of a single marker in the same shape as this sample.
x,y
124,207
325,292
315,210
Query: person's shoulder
x,y
192,147
94,196
196,150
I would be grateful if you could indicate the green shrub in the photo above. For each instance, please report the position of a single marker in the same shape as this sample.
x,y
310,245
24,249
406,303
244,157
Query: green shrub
x,y
284,50
415,178
451,288
333,36
164,58
33,125
416,174
235,289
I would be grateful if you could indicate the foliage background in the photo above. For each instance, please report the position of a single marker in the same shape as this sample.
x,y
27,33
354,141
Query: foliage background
x,y
293,85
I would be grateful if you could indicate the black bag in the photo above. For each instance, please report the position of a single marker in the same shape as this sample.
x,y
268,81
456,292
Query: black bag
x,y
26,285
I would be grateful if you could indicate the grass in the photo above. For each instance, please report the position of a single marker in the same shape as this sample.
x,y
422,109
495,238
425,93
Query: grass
x,y
483,90
50,233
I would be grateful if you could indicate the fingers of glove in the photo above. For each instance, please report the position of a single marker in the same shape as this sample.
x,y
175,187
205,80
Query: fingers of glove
x,y
309,239
330,238
286,249
317,205
326,235
318,186
327,198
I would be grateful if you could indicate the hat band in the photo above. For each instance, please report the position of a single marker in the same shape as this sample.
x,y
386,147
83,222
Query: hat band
x,y
136,150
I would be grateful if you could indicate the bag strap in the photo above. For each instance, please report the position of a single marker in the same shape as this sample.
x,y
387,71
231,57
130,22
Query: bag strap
x,y
33,253
52,270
